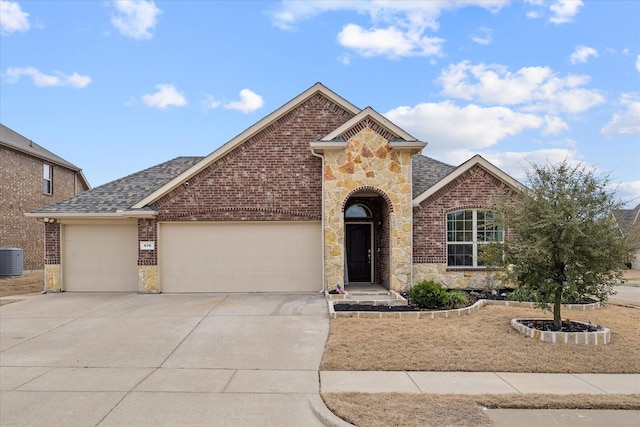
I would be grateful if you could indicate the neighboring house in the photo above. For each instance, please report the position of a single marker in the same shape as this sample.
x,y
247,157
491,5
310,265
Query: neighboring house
x,y
31,177
628,221
317,194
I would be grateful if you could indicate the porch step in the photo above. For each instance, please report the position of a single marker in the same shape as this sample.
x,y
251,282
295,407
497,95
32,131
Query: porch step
x,y
372,297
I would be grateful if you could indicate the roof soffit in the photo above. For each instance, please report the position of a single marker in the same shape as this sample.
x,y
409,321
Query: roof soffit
x,y
229,146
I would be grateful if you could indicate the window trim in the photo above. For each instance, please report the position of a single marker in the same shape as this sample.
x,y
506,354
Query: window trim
x,y
367,211
475,242
47,180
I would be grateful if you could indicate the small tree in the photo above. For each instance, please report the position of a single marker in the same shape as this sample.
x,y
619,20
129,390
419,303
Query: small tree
x,y
562,242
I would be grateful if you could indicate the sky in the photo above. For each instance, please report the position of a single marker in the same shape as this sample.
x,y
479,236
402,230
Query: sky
x,y
115,87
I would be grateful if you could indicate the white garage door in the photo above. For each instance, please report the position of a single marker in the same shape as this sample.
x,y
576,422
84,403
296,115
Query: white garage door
x,y
101,258
240,257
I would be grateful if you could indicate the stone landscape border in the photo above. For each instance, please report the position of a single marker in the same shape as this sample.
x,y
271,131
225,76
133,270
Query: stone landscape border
x,y
586,338
333,314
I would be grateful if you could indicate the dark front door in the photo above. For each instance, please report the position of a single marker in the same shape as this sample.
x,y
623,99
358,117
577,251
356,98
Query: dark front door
x,y
358,242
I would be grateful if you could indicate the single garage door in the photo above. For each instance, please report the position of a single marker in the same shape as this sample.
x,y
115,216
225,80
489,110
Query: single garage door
x,y
100,258
240,257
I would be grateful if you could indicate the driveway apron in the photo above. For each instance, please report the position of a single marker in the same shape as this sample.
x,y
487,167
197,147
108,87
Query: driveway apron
x,y
171,359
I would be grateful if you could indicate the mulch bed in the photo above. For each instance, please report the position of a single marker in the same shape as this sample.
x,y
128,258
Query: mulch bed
x,y
547,325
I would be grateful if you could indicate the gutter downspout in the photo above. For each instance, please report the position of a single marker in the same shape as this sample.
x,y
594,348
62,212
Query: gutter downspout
x,y
324,281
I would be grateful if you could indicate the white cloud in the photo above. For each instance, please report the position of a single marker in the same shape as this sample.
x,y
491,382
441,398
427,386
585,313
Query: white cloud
x,y
135,18
483,36
248,103
40,79
166,96
391,42
397,27
638,63
450,127
517,164
554,125
289,13
12,18
628,193
532,88
210,102
564,10
627,121
582,53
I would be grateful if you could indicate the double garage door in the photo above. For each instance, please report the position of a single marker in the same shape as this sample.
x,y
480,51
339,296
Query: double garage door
x,y
240,257
196,257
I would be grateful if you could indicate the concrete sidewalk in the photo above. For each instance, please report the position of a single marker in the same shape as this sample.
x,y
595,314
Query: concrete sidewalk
x,y
477,383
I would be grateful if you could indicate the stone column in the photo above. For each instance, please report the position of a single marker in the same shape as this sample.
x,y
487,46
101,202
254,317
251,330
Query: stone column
x,y
368,163
52,270
148,256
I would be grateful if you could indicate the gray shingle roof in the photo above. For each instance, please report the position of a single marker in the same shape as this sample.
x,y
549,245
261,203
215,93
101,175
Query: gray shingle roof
x,y
426,172
122,193
626,218
18,142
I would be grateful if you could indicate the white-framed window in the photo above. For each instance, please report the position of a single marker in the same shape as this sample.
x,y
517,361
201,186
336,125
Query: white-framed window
x,y
467,231
47,179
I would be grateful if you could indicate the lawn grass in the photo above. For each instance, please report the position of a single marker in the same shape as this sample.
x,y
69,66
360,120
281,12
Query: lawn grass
x,y
484,341
423,410
481,342
30,282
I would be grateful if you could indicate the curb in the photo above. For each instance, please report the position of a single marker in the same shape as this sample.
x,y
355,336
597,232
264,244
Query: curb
x,y
323,413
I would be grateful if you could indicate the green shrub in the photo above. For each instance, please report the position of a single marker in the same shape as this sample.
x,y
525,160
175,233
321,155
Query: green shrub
x,y
428,294
456,299
521,295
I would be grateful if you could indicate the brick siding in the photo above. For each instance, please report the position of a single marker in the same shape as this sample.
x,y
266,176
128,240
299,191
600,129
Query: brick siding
x,y
21,192
270,177
476,188
52,237
148,232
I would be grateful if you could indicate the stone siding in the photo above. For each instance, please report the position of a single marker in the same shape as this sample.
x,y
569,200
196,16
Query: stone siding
x,y
368,164
148,279
52,278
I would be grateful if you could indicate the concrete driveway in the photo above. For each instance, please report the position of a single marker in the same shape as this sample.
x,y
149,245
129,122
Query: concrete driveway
x,y
170,359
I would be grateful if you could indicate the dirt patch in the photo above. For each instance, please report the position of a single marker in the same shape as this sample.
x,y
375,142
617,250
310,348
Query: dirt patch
x,y
30,282
378,410
484,341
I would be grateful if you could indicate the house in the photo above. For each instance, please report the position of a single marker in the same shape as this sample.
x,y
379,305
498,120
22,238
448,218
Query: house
x,y
319,193
628,222
31,177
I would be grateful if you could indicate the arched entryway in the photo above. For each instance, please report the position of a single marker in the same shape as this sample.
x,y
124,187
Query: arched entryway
x,y
366,238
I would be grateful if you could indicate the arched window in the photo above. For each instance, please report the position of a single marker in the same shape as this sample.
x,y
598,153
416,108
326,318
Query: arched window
x,y
357,211
467,232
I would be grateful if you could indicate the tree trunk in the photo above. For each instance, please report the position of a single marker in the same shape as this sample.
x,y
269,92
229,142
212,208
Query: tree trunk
x,y
557,302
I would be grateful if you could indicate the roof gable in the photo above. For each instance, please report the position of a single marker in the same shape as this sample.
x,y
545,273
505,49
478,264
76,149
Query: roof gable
x,y
264,123
372,119
476,160
627,219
